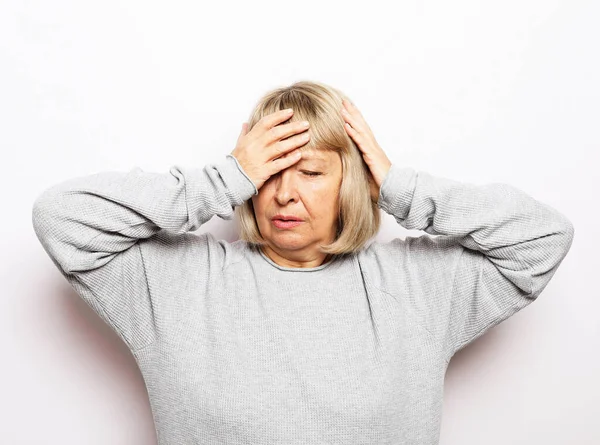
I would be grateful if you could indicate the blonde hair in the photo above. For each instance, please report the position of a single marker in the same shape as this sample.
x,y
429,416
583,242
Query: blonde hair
x,y
320,104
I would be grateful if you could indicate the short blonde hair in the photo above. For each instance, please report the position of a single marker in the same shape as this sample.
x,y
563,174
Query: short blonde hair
x,y
320,104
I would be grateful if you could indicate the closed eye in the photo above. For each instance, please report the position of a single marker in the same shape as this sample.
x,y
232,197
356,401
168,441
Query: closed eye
x,y
311,173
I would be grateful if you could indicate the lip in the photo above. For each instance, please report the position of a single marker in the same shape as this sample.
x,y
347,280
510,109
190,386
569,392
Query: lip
x,y
286,221
280,224
286,217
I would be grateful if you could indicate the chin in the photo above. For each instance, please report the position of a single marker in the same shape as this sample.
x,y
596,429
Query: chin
x,y
287,241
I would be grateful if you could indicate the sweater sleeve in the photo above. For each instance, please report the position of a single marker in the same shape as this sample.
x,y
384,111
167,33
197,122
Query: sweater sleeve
x,y
508,245
94,227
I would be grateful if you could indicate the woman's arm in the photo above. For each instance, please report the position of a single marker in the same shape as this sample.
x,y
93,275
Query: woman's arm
x,y
510,244
94,227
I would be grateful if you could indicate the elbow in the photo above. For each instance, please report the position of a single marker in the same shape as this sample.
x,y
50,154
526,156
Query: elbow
x,y
560,243
560,234
566,235
41,212
48,225
570,232
38,214
546,266
47,221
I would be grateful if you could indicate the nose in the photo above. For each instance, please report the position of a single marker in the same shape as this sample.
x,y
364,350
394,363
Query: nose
x,y
285,187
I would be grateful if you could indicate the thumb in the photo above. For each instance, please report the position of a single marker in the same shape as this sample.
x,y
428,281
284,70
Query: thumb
x,y
243,132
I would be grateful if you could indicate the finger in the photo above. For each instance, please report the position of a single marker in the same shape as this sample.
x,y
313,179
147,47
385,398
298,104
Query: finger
x,y
355,135
266,123
359,121
351,107
354,122
285,161
269,121
288,145
284,131
285,138
243,131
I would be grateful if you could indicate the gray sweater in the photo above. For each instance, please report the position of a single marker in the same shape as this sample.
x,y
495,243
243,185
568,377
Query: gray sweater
x,y
235,349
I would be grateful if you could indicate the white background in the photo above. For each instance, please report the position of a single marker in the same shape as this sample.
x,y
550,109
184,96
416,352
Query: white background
x,y
474,91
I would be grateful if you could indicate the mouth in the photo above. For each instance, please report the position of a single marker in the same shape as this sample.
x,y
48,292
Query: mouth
x,y
286,221
286,218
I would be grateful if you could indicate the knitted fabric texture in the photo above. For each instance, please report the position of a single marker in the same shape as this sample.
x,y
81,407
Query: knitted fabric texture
x,y
236,349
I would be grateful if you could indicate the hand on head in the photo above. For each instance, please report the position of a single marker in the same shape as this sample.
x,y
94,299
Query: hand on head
x,y
374,156
270,147
263,152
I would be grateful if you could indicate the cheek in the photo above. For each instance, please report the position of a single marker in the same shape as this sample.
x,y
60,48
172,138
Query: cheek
x,y
258,202
258,212
324,203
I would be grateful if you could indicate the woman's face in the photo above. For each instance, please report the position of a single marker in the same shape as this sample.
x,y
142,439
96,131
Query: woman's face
x,y
308,191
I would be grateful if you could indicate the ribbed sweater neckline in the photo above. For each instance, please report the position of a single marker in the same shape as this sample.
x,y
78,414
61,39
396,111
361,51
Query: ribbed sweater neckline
x,y
295,269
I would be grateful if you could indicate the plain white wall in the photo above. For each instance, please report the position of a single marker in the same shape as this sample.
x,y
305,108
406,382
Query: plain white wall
x,y
470,90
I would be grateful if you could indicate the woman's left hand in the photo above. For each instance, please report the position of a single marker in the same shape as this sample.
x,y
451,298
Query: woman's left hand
x,y
374,156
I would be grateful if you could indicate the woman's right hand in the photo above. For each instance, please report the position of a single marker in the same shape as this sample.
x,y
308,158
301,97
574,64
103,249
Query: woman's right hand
x,y
262,153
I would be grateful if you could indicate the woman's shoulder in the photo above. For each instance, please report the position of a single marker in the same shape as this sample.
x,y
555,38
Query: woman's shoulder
x,y
419,265
425,246
171,249
423,258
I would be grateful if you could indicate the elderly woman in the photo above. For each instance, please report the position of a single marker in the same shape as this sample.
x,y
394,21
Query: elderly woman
x,y
301,332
